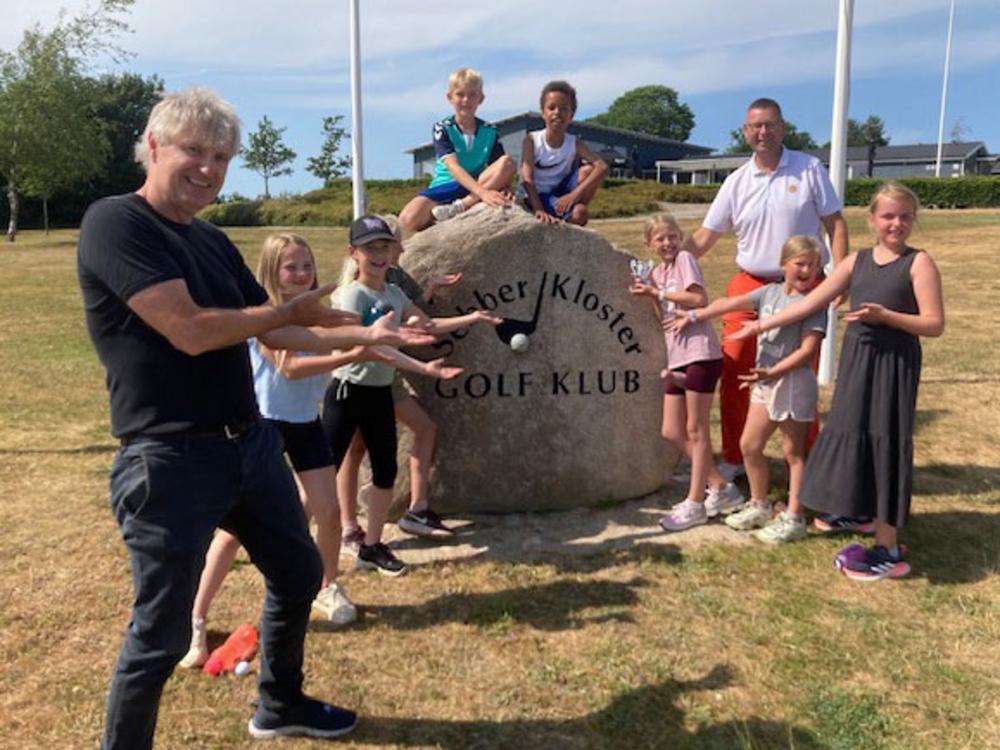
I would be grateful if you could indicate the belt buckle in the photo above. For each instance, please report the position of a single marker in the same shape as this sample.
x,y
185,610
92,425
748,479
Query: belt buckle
x,y
237,429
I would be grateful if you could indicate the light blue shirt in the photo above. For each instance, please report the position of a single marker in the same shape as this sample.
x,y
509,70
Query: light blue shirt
x,y
283,399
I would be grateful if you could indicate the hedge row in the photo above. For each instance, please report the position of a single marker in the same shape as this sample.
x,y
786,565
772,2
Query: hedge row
x,y
333,205
944,192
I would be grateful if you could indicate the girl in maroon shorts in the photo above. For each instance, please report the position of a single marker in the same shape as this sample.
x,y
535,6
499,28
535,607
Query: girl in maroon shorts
x,y
694,363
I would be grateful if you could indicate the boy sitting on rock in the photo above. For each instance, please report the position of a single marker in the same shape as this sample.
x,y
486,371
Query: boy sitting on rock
x,y
471,164
555,185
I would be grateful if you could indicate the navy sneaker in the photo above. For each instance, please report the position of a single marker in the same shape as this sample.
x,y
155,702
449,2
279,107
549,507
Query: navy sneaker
x,y
876,564
829,523
379,557
310,718
423,523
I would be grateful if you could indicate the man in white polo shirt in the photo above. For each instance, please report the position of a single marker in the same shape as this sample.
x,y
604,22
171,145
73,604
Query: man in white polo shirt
x,y
778,193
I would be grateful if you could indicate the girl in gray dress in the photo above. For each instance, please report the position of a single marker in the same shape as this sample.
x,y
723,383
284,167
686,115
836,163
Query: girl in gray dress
x,y
862,463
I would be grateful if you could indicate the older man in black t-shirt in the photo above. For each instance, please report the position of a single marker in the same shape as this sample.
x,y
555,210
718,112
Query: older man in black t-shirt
x,y
169,306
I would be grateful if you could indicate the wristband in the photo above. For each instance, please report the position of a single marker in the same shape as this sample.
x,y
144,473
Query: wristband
x,y
693,316
659,294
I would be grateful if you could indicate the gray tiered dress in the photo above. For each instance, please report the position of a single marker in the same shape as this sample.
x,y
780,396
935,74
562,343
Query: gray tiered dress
x,y
862,462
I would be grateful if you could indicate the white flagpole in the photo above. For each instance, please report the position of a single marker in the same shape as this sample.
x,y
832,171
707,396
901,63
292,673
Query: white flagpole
x,y
838,161
357,164
944,90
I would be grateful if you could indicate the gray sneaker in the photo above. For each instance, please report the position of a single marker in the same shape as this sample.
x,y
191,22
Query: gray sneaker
x,y
753,515
784,528
448,210
684,515
334,605
724,500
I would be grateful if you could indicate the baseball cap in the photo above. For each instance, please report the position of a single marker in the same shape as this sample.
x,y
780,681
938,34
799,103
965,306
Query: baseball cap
x,y
368,229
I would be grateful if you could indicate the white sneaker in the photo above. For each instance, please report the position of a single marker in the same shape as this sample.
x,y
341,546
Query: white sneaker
x,y
726,500
684,515
754,515
197,654
334,605
448,210
784,528
730,471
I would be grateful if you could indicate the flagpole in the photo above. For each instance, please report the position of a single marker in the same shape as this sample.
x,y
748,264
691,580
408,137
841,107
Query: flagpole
x,y
838,161
944,90
357,164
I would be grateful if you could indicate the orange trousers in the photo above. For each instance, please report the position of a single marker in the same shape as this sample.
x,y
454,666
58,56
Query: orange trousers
x,y
738,358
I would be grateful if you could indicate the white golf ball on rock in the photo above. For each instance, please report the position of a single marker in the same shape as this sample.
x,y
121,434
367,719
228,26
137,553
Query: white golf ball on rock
x,y
242,669
519,342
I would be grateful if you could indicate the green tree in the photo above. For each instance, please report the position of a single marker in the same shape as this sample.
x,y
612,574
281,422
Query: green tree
x,y
798,140
655,110
266,154
328,166
870,133
47,139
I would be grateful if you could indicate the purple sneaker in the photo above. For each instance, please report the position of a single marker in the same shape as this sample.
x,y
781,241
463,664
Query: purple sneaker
x,y
877,563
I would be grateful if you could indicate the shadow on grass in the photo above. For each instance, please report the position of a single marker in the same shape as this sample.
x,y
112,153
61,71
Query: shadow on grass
x,y
560,605
954,546
647,717
941,479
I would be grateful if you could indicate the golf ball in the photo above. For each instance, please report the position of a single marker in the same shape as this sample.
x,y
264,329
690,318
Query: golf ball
x,y
242,669
519,342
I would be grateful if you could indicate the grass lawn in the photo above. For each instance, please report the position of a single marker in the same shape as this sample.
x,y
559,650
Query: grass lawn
x,y
653,646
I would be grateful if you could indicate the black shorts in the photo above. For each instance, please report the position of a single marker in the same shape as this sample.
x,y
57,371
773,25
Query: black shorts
x,y
305,444
700,377
348,408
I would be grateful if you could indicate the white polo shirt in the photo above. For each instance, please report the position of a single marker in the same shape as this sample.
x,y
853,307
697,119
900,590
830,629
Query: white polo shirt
x,y
766,209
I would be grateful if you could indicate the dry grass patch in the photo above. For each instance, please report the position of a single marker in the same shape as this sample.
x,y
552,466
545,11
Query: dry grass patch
x,y
649,646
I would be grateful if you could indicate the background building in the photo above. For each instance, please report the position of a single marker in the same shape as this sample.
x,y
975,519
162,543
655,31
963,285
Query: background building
x,y
916,160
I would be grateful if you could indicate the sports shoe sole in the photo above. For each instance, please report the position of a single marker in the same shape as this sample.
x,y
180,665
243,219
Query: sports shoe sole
x,y
420,530
364,565
294,730
899,569
772,540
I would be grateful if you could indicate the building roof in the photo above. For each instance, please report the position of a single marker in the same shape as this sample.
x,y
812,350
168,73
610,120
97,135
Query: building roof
x,y
578,125
915,152
909,152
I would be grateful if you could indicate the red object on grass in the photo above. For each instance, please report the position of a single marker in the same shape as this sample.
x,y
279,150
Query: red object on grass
x,y
241,645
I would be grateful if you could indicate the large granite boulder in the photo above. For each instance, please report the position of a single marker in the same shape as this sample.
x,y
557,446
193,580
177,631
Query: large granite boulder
x,y
574,419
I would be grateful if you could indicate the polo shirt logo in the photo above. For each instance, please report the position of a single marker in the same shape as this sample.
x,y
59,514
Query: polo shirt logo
x,y
793,188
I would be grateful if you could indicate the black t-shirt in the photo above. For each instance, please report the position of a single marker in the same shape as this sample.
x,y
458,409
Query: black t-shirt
x,y
125,247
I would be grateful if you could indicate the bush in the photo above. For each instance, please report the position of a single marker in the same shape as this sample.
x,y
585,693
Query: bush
x,y
943,192
333,205
234,214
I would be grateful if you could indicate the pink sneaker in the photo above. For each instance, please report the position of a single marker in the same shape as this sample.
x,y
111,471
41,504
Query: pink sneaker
x,y
684,515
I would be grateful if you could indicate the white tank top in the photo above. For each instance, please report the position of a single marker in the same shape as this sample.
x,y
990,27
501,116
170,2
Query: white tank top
x,y
552,165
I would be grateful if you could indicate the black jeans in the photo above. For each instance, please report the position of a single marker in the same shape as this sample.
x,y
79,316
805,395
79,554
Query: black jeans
x,y
168,495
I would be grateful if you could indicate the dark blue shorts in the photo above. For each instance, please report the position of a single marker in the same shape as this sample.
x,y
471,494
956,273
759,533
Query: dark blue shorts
x,y
549,199
446,192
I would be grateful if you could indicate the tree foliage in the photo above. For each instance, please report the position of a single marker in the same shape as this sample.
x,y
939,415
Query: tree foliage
x,y
655,110
266,153
328,166
48,136
798,140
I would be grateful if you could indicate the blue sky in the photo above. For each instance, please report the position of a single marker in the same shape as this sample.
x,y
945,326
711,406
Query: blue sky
x,y
289,60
